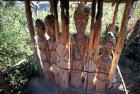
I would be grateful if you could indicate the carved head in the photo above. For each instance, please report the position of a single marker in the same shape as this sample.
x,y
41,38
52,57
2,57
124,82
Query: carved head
x,y
39,27
49,25
81,16
108,43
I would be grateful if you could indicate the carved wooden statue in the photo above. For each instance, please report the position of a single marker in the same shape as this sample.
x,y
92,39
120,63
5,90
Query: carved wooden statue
x,y
104,62
89,76
79,42
42,48
62,53
49,25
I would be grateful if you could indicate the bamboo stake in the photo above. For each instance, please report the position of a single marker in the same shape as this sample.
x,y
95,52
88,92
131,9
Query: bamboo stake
x,y
120,41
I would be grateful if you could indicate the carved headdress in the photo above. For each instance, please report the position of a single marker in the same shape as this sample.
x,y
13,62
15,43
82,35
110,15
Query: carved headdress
x,y
109,38
81,14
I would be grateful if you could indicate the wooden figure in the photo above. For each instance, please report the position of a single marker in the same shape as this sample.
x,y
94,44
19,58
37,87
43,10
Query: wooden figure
x,y
104,62
49,25
79,42
63,64
42,48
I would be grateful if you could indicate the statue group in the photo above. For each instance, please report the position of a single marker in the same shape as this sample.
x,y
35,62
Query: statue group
x,y
67,62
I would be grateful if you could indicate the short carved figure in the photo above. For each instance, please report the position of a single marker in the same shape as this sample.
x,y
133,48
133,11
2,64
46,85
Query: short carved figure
x,y
42,48
63,64
104,62
49,25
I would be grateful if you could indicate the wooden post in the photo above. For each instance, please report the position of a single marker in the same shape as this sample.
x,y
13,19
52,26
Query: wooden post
x,y
114,16
93,8
98,29
92,32
93,45
65,19
120,42
53,4
31,30
29,19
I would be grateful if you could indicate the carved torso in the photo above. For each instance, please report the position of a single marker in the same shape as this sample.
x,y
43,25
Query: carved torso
x,y
104,64
52,47
41,45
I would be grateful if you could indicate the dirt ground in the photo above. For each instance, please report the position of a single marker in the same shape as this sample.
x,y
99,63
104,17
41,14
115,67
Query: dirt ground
x,y
39,86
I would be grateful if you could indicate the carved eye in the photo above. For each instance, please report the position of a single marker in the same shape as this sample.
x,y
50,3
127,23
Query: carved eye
x,y
83,20
78,20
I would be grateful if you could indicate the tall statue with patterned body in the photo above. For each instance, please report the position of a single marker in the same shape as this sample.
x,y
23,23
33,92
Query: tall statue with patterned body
x,y
78,42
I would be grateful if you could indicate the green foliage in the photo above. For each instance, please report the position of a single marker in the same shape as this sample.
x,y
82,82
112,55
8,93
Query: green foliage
x,y
16,46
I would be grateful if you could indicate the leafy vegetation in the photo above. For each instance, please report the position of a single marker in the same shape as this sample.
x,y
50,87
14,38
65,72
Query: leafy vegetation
x,y
17,60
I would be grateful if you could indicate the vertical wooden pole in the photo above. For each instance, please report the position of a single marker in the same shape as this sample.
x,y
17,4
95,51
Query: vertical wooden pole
x,y
92,32
31,29
98,29
120,42
65,19
53,4
29,19
93,8
114,16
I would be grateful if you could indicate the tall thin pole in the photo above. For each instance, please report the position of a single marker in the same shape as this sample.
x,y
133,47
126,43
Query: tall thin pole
x,y
120,42
92,32
31,29
98,29
53,4
114,16
29,19
65,19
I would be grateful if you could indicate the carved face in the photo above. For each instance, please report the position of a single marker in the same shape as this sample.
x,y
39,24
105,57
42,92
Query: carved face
x,y
50,31
40,27
107,48
39,31
49,25
80,25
